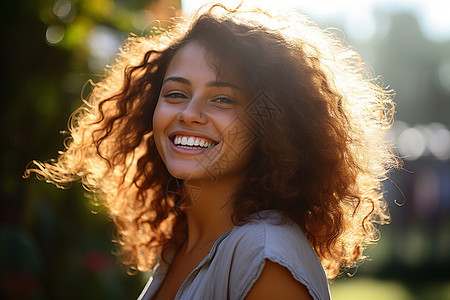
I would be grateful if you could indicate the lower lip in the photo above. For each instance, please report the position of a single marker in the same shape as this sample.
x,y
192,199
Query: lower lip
x,y
187,151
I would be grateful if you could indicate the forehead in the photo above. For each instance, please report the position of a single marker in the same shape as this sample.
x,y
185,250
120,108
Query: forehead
x,y
189,59
195,60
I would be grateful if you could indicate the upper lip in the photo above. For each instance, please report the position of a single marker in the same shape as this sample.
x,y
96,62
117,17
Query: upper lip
x,y
192,133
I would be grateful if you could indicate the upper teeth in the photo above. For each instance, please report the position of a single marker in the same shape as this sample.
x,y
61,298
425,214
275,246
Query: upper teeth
x,y
192,141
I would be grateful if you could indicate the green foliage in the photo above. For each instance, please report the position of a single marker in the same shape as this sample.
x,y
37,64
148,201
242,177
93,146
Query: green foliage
x,y
51,245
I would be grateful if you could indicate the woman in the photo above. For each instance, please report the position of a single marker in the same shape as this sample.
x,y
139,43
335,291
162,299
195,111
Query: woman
x,y
240,156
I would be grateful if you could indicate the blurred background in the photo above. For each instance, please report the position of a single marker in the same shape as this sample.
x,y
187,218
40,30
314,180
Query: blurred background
x,y
53,247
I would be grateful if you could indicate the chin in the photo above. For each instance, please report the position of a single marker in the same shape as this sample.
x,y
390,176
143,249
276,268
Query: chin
x,y
188,173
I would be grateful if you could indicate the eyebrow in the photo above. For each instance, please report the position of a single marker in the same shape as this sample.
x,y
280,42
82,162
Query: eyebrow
x,y
209,84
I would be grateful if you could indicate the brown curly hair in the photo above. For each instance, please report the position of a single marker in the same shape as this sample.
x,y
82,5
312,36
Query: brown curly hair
x,y
320,163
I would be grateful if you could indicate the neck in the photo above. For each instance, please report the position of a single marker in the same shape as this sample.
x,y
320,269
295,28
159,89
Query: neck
x,y
210,210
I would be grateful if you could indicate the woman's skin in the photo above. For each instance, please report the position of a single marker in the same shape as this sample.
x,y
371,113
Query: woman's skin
x,y
196,103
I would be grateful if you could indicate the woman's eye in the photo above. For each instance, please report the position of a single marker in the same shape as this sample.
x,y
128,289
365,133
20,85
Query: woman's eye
x,y
174,95
224,101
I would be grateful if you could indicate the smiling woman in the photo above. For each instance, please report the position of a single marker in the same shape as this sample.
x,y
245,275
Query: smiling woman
x,y
273,130
192,115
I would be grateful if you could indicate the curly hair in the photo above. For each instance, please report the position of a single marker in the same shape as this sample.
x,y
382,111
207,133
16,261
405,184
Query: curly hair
x,y
320,163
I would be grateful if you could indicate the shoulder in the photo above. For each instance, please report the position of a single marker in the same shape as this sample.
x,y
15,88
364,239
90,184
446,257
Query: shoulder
x,y
266,234
276,282
267,239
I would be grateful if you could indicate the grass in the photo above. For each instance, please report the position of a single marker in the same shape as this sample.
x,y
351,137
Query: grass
x,y
375,289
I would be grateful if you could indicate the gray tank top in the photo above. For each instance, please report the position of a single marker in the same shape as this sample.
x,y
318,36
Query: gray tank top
x,y
238,257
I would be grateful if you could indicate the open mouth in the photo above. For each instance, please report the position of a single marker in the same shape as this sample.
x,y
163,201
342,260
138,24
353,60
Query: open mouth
x,y
192,142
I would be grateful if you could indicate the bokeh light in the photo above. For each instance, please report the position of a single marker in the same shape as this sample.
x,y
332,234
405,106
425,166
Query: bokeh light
x,y
54,34
64,10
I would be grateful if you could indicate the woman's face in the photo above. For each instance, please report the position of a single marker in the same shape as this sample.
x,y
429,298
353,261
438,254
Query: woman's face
x,y
200,127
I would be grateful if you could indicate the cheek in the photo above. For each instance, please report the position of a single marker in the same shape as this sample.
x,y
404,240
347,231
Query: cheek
x,y
161,120
164,115
240,134
239,144
157,119
242,139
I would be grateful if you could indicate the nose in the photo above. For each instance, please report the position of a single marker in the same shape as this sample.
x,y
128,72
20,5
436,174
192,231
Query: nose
x,y
193,113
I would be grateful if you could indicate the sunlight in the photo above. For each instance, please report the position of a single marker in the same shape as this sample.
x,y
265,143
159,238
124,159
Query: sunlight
x,y
357,16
